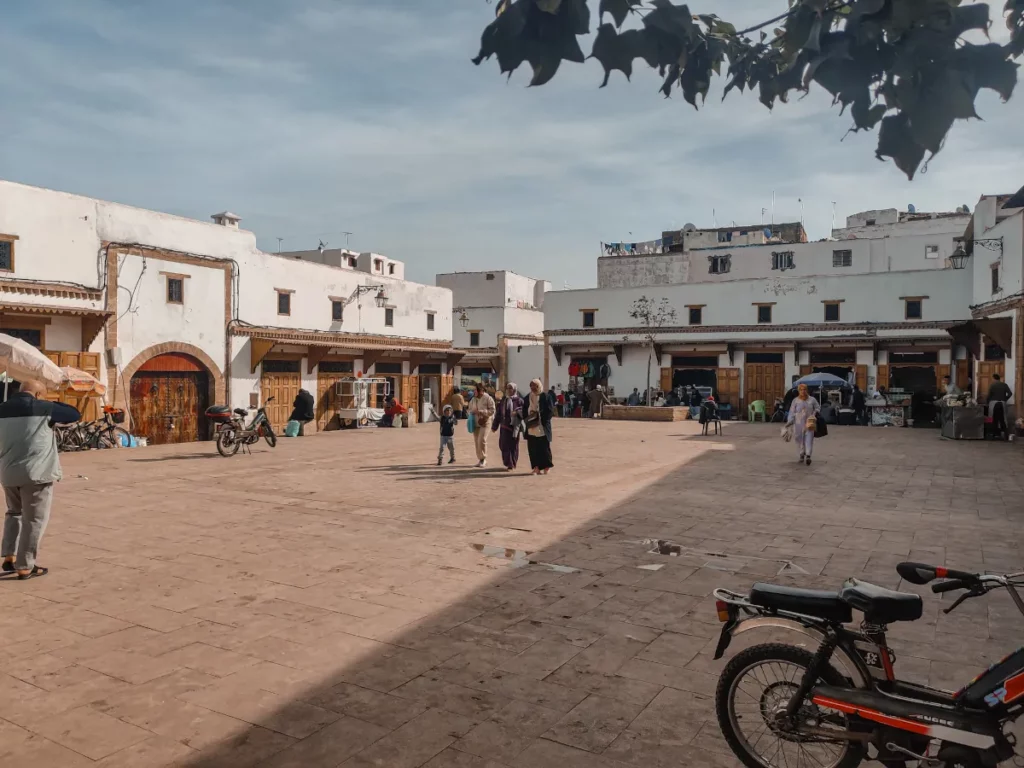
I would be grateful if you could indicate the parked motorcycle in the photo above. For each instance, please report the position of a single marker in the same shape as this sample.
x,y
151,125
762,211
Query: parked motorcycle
x,y
232,433
781,706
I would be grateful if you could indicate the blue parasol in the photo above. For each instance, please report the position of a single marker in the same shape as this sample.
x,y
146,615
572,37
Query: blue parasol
x,y
821,380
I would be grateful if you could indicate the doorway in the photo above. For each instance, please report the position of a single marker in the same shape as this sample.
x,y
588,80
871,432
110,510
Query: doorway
x,y
281,380
169,395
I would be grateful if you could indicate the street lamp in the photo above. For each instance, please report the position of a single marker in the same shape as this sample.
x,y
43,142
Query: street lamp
x,y
959,258
463,317
381,299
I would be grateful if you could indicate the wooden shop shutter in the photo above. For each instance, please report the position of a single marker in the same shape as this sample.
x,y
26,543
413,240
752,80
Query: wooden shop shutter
x,y
862,377
729,386
962,373
940,372
882,379
666,379
805,370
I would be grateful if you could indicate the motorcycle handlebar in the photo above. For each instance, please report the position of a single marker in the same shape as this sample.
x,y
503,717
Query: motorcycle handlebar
x,y
921,573
951,585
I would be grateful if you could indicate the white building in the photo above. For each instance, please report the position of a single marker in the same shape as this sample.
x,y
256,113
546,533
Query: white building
x,y
874,241
882,302
177,314
497,325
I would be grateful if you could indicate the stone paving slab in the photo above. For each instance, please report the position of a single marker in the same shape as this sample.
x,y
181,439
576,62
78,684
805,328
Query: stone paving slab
x,y
339,601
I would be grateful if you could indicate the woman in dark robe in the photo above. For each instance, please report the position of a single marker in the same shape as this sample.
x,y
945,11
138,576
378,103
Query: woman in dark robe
x,y
537,418
507,422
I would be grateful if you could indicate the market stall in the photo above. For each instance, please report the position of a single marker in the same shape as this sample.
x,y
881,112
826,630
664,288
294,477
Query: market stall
x,y
963,422
893,410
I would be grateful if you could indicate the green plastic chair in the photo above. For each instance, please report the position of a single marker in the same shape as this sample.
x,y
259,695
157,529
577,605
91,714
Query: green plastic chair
x,y
757,408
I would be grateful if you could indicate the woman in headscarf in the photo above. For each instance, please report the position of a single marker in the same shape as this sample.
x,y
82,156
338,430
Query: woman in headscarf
x,y
537,417
803,414
509,420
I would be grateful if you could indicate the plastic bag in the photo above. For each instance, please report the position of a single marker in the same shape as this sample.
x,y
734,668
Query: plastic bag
x,y
787,433
471,423
291,429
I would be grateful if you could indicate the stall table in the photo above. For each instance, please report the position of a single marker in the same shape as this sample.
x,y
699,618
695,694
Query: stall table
x,y
887,413
963,422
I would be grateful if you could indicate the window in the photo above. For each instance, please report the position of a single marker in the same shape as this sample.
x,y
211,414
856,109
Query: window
x,y
378,265
696,315
175,290
389,317
995,278
281,366
336,366
725,237
490,275
842,258
430,321
913,309
391,269
782,260
284,302
931,251
992,352
474,338
7,252
588,318
871,222
764,313
719,265
393,368
33,336
337,310
352,261
832,312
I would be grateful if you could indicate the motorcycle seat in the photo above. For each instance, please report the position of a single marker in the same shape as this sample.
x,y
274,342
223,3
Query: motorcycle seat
x,y
241,411
880,605
810,602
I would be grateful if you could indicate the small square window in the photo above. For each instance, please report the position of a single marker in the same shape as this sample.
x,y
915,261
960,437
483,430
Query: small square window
x,y
352,261
389,317
175,290
474,338
995,278
588,319
782,260
931,251
391,269
842,258
719,265
337,310
764,313
696,315
832,313
6,255
430,321
871,222
913,309
284,303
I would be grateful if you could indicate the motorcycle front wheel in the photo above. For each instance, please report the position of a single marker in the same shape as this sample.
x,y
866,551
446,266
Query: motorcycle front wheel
x,y
755,687
269,436
227,445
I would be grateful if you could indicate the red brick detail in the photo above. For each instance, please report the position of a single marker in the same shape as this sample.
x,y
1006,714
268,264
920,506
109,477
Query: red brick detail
x,y
218,389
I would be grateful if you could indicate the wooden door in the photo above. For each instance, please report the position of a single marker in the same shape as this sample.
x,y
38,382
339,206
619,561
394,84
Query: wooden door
x,y
806,370
861,372
283,386
328,401
169,406
447,389
882,377
764,381
941,371
985,371
666,382
729,387
411,397
84,361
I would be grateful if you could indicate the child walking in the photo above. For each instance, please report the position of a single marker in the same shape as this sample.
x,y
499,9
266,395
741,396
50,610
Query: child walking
x,y
448,422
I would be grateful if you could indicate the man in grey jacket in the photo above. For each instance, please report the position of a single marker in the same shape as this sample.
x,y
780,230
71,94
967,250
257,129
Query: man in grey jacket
x,y
29,466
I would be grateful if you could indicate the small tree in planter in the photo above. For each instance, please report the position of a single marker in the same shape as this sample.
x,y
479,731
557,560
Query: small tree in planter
x,y
653,316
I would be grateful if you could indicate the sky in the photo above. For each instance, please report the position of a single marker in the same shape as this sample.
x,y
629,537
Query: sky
x,y
310,118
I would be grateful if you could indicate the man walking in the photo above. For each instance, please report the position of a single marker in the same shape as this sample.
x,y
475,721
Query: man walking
x,y
29,466
998,392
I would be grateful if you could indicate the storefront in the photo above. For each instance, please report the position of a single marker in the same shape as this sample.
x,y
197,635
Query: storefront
x,y
919,375
695,369
764,377
589,372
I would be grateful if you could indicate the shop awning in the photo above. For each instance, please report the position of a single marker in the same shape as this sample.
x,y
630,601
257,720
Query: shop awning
x,y
998,329
93,320
320,343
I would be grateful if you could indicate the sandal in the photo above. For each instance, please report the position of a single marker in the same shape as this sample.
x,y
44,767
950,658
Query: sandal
x,y
36,572
7,567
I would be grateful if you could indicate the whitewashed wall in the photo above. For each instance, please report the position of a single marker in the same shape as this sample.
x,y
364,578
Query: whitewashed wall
x,y
873,298
525,363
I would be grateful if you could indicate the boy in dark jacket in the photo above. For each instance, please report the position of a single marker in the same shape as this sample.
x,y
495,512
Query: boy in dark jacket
x,y
448,422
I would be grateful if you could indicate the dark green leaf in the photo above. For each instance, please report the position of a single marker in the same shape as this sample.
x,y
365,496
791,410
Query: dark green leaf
x,y
967,17
895,141
619,9
990,67
617,50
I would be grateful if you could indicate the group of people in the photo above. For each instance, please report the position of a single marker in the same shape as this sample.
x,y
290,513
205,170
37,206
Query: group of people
x,y
511,417
675,398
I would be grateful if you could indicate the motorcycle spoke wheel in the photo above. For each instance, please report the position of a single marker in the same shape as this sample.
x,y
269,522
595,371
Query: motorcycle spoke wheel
x,y
751,701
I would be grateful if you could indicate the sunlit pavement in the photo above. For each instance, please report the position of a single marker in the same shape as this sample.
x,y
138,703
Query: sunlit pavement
x,y
342,601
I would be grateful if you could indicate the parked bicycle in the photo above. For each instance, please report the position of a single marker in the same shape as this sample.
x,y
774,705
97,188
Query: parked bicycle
x,y
780,705
232,433
105,432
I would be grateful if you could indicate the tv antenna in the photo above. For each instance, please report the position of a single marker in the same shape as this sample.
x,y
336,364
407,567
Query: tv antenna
x,y
347,236
279,241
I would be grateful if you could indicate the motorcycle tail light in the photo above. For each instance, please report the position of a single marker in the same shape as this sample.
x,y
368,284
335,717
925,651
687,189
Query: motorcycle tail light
x,y
723,610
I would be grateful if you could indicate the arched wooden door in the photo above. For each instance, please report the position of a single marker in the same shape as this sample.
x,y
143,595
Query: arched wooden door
x,y
169,398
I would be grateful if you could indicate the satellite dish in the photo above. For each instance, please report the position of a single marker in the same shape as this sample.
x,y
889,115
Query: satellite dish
x,y
966,208
689,228
911,208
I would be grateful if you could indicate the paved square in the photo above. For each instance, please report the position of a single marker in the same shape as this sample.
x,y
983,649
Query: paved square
x,y
342,602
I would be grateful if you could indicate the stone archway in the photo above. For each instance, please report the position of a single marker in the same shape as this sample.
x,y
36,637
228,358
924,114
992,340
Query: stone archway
x,y
218,387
